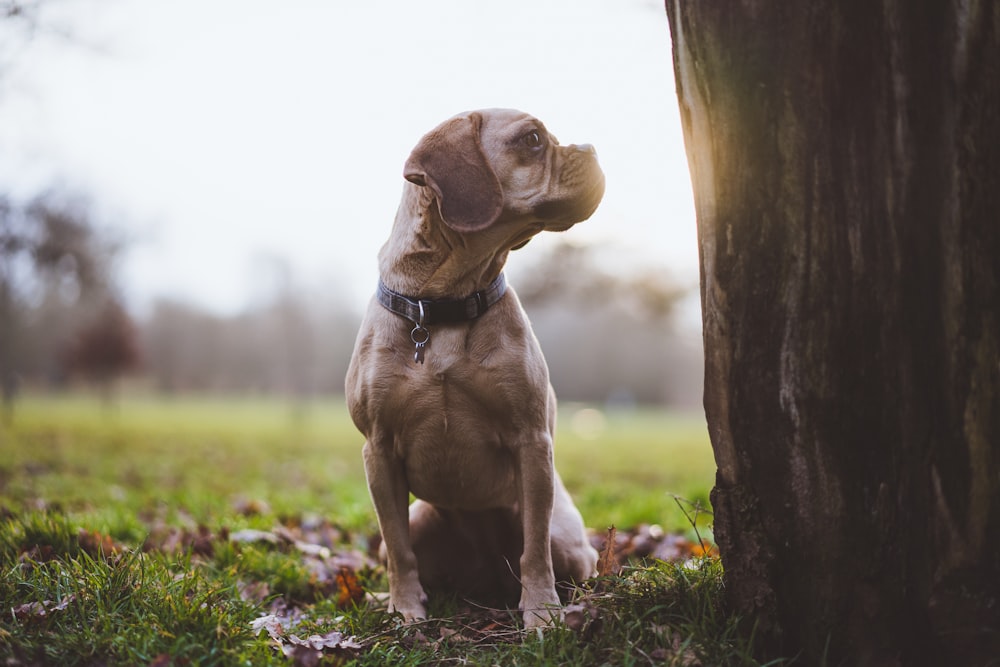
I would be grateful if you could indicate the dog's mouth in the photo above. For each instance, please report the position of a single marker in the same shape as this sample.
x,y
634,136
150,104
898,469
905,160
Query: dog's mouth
x,y
562,213
580,192
526,234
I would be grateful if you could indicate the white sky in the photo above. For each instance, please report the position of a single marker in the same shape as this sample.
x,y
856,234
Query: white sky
x,y
220,132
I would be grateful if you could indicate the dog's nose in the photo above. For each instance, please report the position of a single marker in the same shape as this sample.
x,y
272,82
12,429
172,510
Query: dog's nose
x,y
586,148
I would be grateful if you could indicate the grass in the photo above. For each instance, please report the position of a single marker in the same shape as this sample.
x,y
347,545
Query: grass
x,y
123,541
199,454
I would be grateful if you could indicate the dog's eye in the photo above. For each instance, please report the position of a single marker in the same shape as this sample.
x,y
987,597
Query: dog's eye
x,y
532,139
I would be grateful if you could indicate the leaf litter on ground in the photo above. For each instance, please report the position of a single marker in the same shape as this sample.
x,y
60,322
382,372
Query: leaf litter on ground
x,y
308,651
333,561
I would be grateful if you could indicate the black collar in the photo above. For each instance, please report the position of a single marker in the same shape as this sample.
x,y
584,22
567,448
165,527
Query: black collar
x,y
424,312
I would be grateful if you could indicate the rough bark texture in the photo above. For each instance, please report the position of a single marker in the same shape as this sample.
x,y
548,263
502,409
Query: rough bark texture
x,y
845,157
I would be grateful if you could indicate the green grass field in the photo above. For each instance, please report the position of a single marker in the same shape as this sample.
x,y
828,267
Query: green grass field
x,y
124,540
201,455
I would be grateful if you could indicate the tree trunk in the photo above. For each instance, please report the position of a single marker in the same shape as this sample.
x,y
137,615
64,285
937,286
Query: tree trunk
x,y
845,158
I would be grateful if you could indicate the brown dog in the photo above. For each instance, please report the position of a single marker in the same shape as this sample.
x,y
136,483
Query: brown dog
x,y
448,383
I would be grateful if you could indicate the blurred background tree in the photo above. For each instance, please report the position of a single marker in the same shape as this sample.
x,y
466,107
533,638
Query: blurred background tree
x,y
104,348
55,266
609,327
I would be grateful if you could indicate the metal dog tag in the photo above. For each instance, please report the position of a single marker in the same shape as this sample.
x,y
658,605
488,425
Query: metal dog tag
x,y
419,336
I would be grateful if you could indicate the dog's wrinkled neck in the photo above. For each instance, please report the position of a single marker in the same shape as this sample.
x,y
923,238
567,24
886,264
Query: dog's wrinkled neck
x,y
426,258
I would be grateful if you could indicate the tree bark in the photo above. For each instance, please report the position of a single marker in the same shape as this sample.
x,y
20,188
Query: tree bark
x,y
845,159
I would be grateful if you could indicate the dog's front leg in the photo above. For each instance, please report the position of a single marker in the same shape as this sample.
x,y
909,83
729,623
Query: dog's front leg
x,y
539,600
390,495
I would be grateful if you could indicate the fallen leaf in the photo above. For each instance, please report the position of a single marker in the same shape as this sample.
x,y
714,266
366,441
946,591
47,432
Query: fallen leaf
x,y
292,537
450,636
317,530
37,554
255,591
702,550
249,535
673,548
318,642
578,616
269,622
310,651
648,541
678,650
418,638
606,564
98,545
309,549
203,542
29,610
349,590
173,540
302,656
490,627
307,651
39,610
251,507
278,622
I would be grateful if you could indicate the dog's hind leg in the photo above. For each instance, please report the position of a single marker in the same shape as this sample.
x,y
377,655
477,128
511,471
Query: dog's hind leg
x,y
573,558
472,553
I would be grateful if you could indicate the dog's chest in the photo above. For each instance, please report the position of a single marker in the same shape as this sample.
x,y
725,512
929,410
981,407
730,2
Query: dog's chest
x,y
457,422
457,446
458,426
458,473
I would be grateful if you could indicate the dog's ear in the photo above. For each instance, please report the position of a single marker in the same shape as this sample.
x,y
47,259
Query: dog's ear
x,y
450,160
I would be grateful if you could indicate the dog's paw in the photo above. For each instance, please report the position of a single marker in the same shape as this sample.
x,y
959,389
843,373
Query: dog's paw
x,y
541,619
411,605
413,612
541,611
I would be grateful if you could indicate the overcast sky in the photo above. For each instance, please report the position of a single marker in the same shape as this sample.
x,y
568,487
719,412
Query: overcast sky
x,y
225,133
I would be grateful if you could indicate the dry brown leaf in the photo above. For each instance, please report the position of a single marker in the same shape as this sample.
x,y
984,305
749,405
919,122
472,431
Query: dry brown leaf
x,y
418,638
254,591
302,656
39,610
606,564
98,545
203,543
307,651
251,507
349,590
173,540
677,650
649,541
701,550
450,636
30,611
578,616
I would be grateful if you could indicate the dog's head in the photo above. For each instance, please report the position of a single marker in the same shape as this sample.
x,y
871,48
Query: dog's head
x,y
497,166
